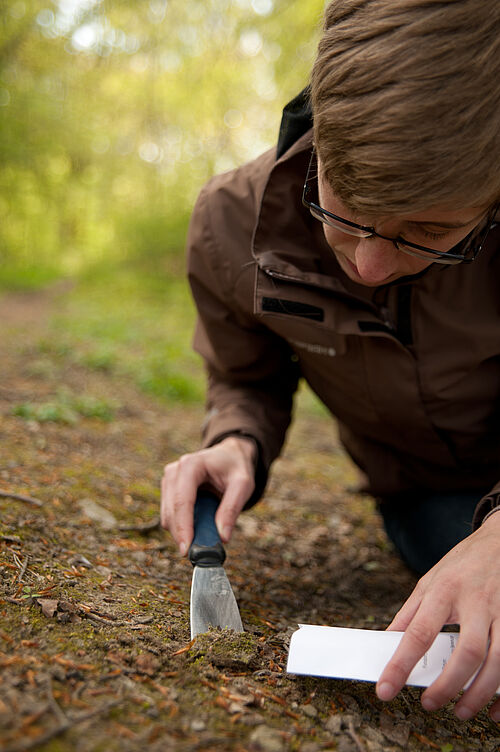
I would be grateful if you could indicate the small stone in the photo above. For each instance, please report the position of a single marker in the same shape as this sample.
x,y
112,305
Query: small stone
x,y
252,719
350,703
266,739
198,725
395,731
104,571
97,513
374,735
80,561
345,744
348,720
334,724
309,710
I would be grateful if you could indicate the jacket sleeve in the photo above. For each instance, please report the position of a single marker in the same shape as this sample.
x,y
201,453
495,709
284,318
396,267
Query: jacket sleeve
x,y
251,374
487,505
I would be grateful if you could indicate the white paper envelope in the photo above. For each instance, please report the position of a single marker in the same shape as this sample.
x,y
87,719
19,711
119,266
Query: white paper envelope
x,y
361,654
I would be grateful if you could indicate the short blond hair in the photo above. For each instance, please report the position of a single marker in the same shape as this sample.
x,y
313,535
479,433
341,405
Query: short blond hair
x,y
406,103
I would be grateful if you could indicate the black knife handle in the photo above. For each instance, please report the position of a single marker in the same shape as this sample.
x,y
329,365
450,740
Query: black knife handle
x,y
206,549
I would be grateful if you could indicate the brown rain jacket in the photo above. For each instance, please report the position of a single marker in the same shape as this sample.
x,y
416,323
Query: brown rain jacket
x,y
410,370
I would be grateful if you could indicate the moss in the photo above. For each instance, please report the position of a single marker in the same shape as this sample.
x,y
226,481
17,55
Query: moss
x,y
144,491
226,648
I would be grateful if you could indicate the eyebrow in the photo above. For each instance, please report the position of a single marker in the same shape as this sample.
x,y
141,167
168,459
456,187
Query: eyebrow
x,y
448,225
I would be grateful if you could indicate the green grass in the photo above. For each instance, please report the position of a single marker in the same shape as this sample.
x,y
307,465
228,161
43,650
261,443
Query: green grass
x,y
135,324
135,320
26,278
66,407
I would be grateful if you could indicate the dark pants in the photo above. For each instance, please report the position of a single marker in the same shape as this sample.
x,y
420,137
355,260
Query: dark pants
x,y
425,528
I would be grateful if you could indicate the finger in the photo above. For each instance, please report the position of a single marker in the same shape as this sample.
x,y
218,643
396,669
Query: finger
x,y
180,484
182,498
417,639
466,659
167,482
485,683
406,613
238,491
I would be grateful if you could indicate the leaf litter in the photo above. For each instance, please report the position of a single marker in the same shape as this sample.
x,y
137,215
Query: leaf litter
x,y
95,648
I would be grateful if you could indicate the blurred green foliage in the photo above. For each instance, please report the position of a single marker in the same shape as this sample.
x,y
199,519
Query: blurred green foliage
x,y
114,112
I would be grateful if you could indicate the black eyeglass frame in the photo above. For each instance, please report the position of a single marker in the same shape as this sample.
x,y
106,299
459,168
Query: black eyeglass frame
x,y
453,256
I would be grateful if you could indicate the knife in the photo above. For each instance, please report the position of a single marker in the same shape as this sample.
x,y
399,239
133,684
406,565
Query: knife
x,y
212,600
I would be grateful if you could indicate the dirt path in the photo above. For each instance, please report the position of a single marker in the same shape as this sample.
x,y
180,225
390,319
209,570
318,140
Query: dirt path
x,y
94,631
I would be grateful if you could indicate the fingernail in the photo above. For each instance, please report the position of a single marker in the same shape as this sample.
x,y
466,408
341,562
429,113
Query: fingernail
x,y
183,547
463,712
386,691
495,716
429,704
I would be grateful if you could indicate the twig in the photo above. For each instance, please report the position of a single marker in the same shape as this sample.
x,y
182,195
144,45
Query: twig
x,y
142,527
115,622
357,741
22,570
103,614
21,497
27,744
402,694
56,708
10,538
99,620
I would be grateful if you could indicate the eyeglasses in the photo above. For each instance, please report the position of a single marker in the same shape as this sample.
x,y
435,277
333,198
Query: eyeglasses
x,y
465,251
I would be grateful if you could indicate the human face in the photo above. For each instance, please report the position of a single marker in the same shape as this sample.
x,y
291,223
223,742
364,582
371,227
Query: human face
x,y
374,261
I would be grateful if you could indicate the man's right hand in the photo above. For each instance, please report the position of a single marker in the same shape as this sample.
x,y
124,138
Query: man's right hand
x,y
228,468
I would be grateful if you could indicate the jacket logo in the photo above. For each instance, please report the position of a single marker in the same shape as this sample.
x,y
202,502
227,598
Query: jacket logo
x,y
313,348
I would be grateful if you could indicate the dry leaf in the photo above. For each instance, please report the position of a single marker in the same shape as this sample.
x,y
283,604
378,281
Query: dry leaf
x,y
49,606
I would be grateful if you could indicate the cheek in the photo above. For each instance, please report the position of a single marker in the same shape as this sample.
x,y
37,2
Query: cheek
x,y
339,241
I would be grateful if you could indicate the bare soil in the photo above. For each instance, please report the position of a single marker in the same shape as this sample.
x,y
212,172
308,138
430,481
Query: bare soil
x,y
95,648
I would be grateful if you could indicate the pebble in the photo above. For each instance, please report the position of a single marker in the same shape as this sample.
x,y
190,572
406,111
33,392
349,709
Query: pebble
x,y
334,724
252,719
395,731
266,739
310,747
374,735
346,744
309,710
198,725
102,570
97,513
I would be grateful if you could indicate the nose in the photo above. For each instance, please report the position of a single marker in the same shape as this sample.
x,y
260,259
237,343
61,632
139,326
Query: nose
x,y
376,259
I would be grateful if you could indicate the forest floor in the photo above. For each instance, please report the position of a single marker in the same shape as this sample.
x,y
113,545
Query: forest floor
x,y
95,650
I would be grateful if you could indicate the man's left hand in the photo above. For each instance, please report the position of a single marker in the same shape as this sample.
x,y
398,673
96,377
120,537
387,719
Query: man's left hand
x,y
462,588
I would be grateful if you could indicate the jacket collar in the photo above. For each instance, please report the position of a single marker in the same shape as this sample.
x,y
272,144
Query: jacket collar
x,y
287,241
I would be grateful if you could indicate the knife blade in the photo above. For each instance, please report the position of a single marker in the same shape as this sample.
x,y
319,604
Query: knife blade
x,y
212,600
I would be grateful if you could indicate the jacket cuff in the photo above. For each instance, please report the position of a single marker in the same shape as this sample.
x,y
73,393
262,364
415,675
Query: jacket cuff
x,y
487,505
261,472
